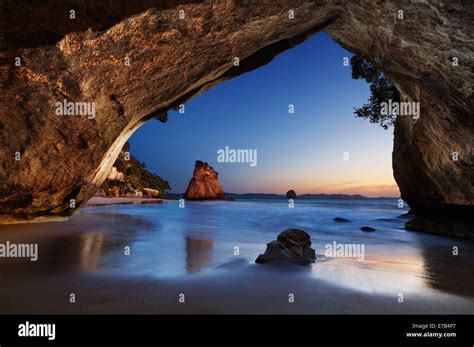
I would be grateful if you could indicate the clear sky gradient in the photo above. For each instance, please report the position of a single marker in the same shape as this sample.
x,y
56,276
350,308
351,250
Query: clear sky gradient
x,y
302,151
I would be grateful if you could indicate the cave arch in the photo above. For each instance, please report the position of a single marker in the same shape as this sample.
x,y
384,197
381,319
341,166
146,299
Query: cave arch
x,y
173,59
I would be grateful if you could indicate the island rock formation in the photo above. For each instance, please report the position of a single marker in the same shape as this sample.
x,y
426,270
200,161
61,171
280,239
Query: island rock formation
x,y
124,64
291,194
204,184
292,245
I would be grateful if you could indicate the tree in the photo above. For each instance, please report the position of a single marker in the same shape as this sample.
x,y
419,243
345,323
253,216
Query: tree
x,y
382,89
136,175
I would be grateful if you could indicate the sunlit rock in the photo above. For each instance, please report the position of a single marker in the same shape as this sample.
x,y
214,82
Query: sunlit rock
x,y
204,184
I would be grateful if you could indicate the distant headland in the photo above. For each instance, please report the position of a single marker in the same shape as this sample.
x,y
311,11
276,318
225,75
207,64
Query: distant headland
x,y
238,196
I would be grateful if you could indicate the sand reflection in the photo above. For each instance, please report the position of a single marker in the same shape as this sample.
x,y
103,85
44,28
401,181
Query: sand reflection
x,y
198,253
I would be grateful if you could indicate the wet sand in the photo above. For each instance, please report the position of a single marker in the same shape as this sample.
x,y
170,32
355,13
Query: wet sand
x,y
249,289
85,256
101,201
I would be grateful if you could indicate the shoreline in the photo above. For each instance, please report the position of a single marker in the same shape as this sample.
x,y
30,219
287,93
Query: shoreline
x,y
173,251
259,289
103,201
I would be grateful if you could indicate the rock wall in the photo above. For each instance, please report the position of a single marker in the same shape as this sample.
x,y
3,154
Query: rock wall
x,y
137,60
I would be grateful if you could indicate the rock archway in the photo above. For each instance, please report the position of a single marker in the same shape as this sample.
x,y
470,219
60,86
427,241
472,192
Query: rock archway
x,y
178,49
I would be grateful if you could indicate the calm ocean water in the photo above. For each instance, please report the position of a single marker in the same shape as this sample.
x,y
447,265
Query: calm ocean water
x,y
204,235
216,243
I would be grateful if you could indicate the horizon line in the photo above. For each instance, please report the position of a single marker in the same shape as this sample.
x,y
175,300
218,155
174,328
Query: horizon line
x,y
284,195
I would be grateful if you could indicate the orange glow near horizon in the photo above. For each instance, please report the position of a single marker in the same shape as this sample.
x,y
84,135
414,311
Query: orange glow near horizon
x,y
364,188
379,185
365,177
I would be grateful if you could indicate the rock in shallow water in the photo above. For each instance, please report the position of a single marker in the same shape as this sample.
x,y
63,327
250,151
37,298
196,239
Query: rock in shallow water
x,y
341,220
368,229
462,228
292,245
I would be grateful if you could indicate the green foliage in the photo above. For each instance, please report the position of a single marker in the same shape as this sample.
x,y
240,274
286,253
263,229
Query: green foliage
x,y
382,89
115,183
121,164
126,147
137,175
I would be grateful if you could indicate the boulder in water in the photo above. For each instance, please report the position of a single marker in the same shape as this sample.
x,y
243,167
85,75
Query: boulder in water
x,y
291,245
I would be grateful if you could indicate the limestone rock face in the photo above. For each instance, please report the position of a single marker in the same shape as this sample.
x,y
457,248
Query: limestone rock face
x,y
204,184
152,193
292,245
134,193
116,175
136,60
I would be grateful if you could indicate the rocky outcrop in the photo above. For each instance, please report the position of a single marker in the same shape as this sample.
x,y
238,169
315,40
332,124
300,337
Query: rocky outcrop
x,y
292,245
133,193
447,226
151,193
291,194
130,178
204,184
137,60
116,175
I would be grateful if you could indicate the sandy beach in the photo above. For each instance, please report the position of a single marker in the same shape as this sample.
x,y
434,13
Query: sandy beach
x,y
101,201
184,251
247,290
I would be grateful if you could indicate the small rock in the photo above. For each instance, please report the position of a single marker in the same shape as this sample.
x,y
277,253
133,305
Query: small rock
x,y
341,220
292,245
230,198
291,194
369,229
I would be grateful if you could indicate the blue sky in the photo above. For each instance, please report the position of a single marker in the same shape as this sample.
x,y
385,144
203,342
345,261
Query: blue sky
x,y
302,151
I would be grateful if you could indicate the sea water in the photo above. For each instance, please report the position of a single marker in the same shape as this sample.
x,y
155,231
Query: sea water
x,y
213,238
